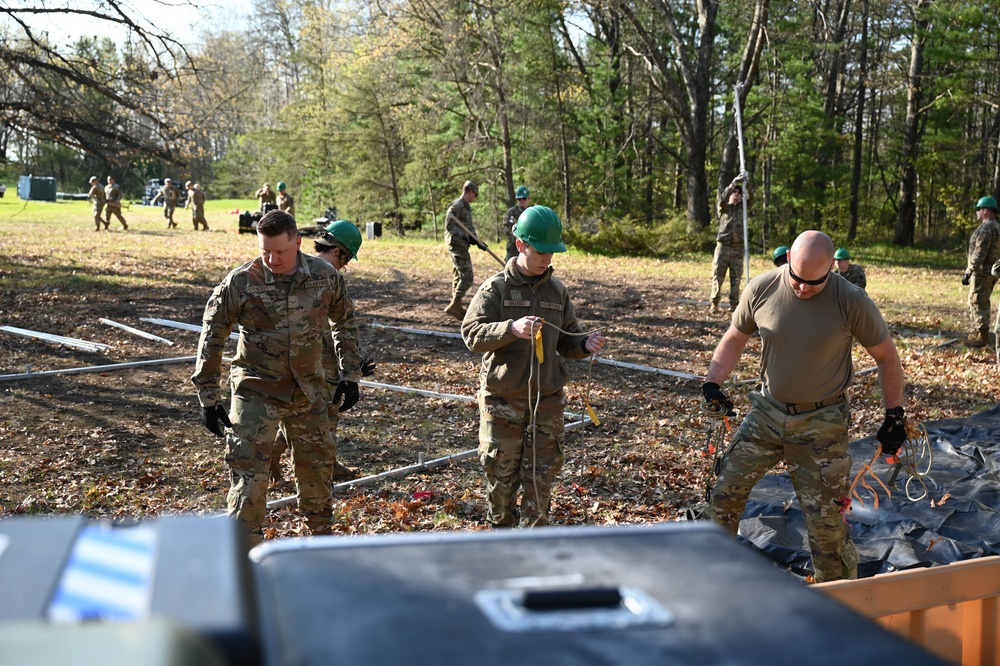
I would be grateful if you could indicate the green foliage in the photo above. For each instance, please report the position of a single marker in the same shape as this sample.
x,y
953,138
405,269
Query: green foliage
x,y
626,238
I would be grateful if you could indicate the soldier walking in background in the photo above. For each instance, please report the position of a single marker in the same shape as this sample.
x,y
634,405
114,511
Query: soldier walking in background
x,y
170,195
113,195
196,202
457,240
984,250
510,219
853,273
283,304
339,244
285,200
267,197
729,248
521,400
97,198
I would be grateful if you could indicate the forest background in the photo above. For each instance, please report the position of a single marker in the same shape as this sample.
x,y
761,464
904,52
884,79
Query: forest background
x,y
877,121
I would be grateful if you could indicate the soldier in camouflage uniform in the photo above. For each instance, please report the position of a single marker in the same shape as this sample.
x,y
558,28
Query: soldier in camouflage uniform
x,y
97,198
170,195
196,202
984,251
285,200
457,241
807,323
523,197
853,273
284,304
729,248
337,246
113,196
267,197
521,402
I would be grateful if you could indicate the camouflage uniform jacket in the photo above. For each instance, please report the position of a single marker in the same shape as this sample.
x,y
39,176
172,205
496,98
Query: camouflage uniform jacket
x,y
169,194
510,219
507,360
113,193
96,195
730,220
267,196
286,203
855,275
196,198
984,247
460,209
282,338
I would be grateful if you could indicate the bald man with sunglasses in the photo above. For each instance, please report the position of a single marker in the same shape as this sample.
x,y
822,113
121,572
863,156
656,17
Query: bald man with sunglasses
x,y
808,319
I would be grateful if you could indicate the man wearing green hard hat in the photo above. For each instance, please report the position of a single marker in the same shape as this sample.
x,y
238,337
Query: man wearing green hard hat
x,y
510,218
984,251
780,255
285,200
521,397
339,244
853,273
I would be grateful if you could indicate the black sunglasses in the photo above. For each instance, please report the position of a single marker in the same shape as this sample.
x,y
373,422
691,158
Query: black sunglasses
x,y
811,283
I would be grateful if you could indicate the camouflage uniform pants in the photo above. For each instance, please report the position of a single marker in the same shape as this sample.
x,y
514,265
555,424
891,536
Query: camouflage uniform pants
x,y
814,446
116,210
728,258
515,459
168,213
199,218
461,266
98,209
980,290
333,420
256,420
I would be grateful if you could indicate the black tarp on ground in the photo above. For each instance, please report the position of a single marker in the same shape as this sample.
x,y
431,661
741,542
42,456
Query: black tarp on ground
x,y
900,534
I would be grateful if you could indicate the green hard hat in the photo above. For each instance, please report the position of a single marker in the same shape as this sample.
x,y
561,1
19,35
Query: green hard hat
x,y
987,202
540,227
842,253
281,186
347,235
779,251
521,192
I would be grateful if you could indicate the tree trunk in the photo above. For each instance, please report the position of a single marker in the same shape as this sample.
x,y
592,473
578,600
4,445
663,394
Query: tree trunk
x,y
907,213
859,117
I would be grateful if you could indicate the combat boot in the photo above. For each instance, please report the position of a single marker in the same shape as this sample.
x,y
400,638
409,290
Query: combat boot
x,y
342,472
977,339
454,308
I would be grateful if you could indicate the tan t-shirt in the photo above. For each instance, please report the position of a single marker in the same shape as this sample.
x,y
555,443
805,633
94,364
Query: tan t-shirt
x,y
806,354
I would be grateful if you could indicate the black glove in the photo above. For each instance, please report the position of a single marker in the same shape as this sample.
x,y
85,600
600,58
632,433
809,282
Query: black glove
x,y
367,366
892,434
966,278
347,390
713,394
214,418
482,246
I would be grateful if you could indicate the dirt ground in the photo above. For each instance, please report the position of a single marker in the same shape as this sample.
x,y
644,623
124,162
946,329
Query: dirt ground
x,y
128,444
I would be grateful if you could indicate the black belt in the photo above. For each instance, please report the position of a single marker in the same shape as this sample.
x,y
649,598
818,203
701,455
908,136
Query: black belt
x,y
804,407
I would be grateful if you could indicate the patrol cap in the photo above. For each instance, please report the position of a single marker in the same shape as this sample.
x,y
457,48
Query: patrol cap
x,y
842,253
92,179
167,180
187,184
469,186
521,192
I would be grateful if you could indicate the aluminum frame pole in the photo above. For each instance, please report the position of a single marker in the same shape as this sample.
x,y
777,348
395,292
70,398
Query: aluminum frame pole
x,y
745,183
